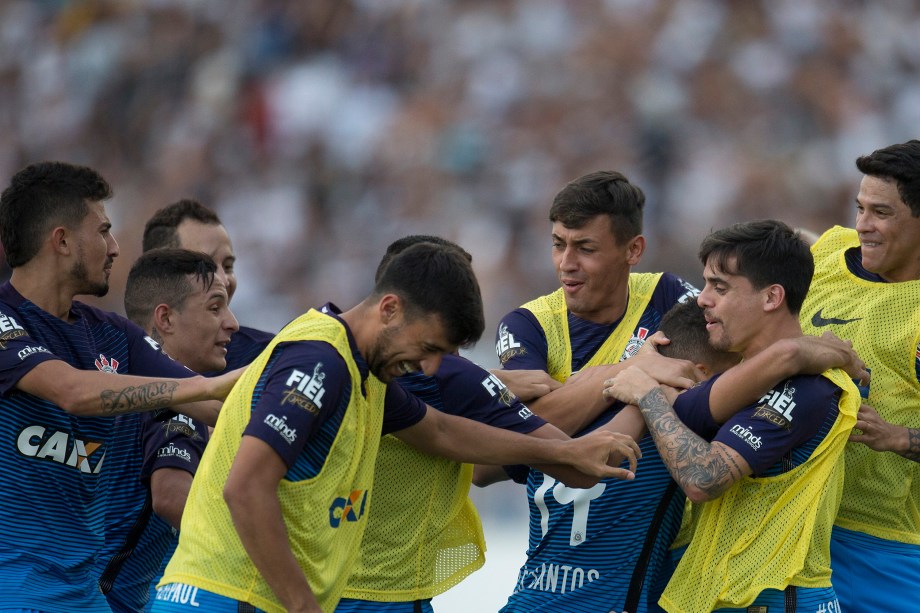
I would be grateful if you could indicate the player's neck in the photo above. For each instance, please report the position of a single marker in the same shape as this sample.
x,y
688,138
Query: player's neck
x,y
772,330
43,290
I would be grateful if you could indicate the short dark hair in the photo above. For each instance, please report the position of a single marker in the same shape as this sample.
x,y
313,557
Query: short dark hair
x,y
42,196
900,163
605,192
685,326
161,230
765,252
400,245
161,276
439,280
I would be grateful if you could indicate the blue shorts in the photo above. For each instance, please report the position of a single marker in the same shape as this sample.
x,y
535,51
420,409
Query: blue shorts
x,y
348,605
181,598
807,600
873,575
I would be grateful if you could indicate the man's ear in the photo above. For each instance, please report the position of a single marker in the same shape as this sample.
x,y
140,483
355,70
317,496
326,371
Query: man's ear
x,y
634,249
390,308
774,297
61,241
163,320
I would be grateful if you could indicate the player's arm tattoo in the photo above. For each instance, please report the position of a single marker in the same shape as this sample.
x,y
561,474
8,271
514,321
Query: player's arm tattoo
x,y
137,397
913,445
693,462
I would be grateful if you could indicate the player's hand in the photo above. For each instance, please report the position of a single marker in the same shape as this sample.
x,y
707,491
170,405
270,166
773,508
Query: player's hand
x,y
820,353
629,385
876,433
593,453
222,384
679,374
653,342
527,384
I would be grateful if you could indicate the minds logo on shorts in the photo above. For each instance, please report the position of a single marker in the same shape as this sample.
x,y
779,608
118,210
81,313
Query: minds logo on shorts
x,y
9,330
306,391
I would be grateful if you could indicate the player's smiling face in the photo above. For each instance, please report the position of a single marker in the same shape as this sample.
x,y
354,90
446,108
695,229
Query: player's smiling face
x,y
593,268
889,235
405,346
732,308
201,328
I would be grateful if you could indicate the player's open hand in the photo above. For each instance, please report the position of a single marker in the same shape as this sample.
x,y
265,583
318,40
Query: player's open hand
x,y
679,374
593,454
819,353
876,433
630,385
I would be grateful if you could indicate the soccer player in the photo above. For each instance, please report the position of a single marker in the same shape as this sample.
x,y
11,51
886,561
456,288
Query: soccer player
x,y
584,551
867,289
424,535
277,508
770,476
176,297
60,396
188,224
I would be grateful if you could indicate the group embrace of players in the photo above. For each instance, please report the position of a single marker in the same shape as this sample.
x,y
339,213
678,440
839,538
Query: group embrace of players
x,y
682,450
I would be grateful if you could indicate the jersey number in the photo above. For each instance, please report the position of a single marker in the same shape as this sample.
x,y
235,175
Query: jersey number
x,y
580,498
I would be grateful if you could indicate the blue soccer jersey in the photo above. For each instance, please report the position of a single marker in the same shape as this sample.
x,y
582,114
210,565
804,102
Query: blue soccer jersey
x,y
596,549
51,503
137,539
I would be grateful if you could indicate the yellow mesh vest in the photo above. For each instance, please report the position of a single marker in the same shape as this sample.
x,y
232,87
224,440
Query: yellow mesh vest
x,y
551,313
424,535
768,532
882,490
325,516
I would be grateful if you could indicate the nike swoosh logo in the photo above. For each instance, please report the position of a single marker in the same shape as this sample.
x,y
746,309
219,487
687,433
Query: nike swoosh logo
x,y
819,322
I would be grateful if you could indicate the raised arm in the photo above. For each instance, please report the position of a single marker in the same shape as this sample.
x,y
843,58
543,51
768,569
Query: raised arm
x,y
581,400
84,392
465,440
703,470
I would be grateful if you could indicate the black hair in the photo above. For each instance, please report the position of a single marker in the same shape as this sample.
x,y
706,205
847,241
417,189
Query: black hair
x,y
604,192
900,163
161,230
43,196
161,276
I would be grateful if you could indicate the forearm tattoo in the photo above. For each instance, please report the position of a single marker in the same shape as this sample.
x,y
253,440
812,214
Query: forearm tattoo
x,y
148,396
692,461
913,445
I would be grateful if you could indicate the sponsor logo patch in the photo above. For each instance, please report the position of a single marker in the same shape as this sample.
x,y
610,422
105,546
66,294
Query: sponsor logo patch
x,y
31,350
9,330
279,425
350,508
106,365
506,347
306,391
171,451
635,343
747,435
61,447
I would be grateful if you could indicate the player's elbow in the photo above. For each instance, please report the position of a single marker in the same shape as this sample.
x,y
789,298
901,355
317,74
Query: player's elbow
x,y
698,495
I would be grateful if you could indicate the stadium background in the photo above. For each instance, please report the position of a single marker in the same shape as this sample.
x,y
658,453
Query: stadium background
x,y
321,130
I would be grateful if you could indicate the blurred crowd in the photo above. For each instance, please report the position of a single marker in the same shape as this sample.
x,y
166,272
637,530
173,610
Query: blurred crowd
x,y
321,130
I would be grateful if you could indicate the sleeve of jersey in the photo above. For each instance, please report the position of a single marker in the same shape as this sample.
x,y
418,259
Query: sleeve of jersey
x,y
19,352
175,443
692,408
401,409
304,383
785,418
520,342
471,391
676,289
